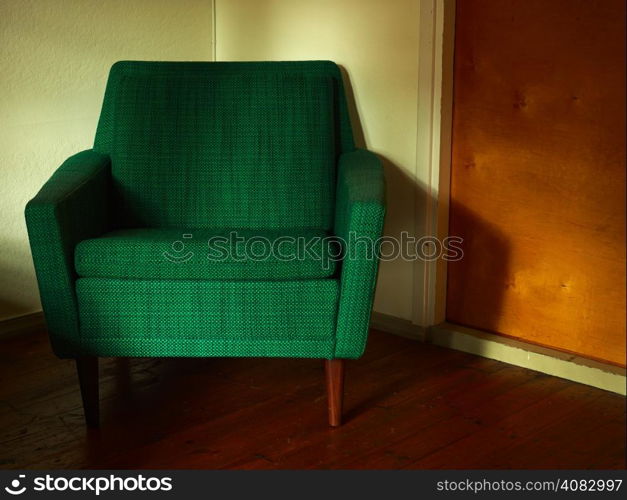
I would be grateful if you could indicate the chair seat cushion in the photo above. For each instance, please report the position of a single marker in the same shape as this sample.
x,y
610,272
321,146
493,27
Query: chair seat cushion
x,y
208,254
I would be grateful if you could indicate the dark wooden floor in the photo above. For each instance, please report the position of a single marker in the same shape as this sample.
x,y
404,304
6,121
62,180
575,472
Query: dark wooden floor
x,y
408,405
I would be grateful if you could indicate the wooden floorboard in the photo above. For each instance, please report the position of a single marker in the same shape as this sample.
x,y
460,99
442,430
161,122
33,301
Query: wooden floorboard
x,y
407,405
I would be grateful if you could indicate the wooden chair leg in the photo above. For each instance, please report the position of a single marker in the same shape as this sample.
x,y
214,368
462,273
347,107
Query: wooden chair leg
x,y
87,368
334,369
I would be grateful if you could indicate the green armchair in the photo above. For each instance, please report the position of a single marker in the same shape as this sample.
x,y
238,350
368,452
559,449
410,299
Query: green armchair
x,y
149,243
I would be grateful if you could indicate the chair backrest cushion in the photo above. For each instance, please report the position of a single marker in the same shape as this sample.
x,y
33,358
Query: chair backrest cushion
x,y
247,145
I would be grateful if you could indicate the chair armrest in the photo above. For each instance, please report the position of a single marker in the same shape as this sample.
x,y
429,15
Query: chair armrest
x,y
359,215
73,205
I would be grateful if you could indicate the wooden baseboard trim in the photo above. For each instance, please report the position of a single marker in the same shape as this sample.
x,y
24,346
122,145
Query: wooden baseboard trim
x,y
550,361
22,324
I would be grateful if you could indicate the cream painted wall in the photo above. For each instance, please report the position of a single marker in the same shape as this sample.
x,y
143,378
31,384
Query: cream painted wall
x,y
377,44
54,60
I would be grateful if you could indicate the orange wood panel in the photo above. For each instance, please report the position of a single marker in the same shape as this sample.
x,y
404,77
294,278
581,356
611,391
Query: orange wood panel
x,y
538,175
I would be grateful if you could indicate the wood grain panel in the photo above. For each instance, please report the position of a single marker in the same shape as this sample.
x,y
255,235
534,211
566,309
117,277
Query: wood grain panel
x,y
538,175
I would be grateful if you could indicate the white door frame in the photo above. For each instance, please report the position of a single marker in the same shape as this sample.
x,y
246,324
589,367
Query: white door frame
x,y
433,152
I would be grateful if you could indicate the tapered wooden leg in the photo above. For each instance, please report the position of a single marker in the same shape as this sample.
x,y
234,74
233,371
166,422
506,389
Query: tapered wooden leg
x,y
87,368
334,369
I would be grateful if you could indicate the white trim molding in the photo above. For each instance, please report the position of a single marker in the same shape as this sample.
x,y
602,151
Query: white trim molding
x,y
433,152
541,359
397,326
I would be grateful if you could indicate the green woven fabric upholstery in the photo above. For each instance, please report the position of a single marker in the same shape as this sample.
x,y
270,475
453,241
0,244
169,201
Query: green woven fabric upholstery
x,y
241,254
185,152
256,143
207,318
358,222
71,206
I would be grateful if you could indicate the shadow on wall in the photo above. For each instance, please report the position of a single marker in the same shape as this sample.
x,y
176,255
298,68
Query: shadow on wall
x,y
11,309
17,296
396,177
462,293
395,290
358,131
